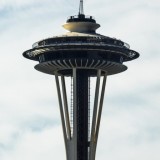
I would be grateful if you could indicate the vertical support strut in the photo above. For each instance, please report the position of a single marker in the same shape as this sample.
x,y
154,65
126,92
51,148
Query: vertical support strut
x,y
66,108
75,114
97,111
95,107
82,114
79,146
100,107
61,109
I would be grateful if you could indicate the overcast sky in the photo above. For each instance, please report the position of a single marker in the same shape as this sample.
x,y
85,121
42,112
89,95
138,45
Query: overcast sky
x,y
30,127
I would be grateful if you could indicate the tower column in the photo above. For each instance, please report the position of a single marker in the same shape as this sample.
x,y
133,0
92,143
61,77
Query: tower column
x,y
82,113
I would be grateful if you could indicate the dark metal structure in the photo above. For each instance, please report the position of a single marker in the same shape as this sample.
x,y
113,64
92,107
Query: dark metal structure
x,y
81,54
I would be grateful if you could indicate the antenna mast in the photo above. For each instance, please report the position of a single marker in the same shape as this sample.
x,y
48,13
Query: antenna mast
x,y
81,11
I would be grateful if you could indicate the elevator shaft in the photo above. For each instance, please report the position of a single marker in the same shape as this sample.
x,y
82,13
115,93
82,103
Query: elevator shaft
x,y
82,113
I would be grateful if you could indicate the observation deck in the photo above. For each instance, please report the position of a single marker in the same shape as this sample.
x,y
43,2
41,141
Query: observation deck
x,y
81,47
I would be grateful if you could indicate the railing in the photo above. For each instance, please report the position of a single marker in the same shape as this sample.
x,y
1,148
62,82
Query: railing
x,y
81,18
82,40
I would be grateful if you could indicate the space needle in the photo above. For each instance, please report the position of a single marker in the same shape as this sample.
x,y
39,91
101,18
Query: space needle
x,y
80,55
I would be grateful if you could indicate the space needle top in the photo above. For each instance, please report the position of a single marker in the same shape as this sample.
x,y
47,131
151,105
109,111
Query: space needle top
x,y
81,23
82,37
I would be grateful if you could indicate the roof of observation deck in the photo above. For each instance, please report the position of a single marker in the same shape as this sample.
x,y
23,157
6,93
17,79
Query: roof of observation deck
x,y
81,18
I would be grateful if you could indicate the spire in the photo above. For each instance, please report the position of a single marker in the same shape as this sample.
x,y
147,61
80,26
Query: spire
x,y
81,11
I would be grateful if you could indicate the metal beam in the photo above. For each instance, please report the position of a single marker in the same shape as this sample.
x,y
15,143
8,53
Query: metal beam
x,y
74,114
61,109
66,107
100,107
96,98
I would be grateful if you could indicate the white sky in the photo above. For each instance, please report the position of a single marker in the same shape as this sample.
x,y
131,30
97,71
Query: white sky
x,y
30,126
